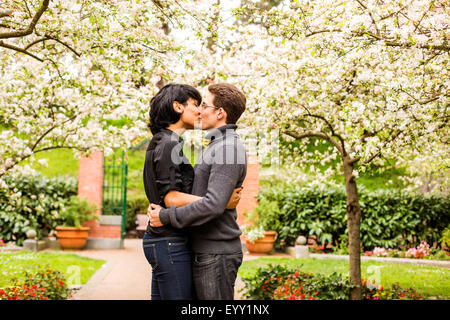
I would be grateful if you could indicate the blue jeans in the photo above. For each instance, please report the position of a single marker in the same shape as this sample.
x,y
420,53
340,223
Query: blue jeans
x,y
171,261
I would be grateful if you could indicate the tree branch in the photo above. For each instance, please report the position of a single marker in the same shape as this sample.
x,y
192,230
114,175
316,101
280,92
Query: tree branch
x,y
40,150
5,13
30,29
378,154
371,16
65,45
322,31
35,42
441,47
47,37
397,44
333,133
49,130
311,134
13,47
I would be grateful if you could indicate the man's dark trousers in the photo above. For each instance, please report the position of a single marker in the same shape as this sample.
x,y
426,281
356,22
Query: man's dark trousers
x,y
215,274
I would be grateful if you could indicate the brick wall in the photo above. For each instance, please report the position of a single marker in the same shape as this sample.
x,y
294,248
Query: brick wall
x,y
90,186
251,189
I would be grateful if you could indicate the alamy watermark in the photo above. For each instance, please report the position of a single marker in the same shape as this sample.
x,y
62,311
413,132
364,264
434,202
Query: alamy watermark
x,y
230,147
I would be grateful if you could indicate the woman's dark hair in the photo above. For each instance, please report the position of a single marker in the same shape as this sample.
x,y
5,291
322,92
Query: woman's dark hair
x,y
161,106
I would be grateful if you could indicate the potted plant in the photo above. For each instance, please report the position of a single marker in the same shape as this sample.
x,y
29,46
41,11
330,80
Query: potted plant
x,y
258,240
71,235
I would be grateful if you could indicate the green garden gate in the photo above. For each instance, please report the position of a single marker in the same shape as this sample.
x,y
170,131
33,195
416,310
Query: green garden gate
x,y
114,201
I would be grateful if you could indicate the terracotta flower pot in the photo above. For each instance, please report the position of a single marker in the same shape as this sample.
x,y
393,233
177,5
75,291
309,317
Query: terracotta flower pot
x,y
263,245
72,238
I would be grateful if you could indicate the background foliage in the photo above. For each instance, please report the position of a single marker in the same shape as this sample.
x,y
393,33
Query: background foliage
x,y
33,202
390,218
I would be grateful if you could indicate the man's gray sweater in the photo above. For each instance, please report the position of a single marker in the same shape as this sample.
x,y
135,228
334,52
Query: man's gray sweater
x,y
219,170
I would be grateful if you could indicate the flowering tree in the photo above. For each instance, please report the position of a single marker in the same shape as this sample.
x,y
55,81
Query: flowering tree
x,y
77,74
368,77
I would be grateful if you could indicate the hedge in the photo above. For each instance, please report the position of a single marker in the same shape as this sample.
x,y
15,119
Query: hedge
x,y
390,218
32,202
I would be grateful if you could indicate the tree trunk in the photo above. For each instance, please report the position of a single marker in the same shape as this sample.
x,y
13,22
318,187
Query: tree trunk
x,y
353,223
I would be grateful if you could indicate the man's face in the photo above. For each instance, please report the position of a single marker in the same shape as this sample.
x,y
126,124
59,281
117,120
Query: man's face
x,y
209,112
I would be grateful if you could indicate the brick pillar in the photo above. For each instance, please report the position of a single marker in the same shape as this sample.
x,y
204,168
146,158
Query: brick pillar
x,y
102,234
90,181
251,189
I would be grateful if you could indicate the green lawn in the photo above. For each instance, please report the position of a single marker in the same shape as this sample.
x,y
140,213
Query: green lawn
x,y
431,282
61,162
76,269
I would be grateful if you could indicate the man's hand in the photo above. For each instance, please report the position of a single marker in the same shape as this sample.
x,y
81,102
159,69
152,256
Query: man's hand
x,y
235,198
153,214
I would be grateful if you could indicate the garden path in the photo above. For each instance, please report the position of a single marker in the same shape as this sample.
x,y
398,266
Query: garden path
x,y
126,275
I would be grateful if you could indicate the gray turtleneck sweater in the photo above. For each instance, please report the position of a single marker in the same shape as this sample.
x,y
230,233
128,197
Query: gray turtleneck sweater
x,y
220,169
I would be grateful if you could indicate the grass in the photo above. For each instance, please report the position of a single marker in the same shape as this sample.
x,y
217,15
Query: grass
x,y
61,162
431,282
76,269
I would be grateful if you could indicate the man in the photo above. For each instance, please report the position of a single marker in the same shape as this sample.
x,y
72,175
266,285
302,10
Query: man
x,y
221,168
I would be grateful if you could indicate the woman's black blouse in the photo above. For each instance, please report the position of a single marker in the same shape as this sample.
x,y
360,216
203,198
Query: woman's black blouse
x,y
166,168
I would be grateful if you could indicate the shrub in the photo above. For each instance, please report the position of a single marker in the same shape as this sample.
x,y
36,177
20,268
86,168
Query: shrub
x,y
292,288
32,202
284,283
266,279
43,284
135,205
76,212
395,292
445,240
392,218
317,287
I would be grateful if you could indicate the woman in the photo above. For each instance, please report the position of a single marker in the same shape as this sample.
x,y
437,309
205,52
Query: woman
x,y
168,178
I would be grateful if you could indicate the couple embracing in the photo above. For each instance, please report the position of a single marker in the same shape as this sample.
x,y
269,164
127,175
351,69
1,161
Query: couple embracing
x,y
192,241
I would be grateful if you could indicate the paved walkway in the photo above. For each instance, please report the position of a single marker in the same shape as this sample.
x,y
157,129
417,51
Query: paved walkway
x,y
126,275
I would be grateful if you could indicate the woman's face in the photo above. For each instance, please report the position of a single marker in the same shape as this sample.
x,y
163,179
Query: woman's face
x,y
191,116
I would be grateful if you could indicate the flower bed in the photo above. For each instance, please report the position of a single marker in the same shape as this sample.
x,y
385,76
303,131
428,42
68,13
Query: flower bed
x,y
422,251
44,284
284,283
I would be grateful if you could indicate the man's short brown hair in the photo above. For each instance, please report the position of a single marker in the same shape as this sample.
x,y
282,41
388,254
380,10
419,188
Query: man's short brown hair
x,y
230,98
